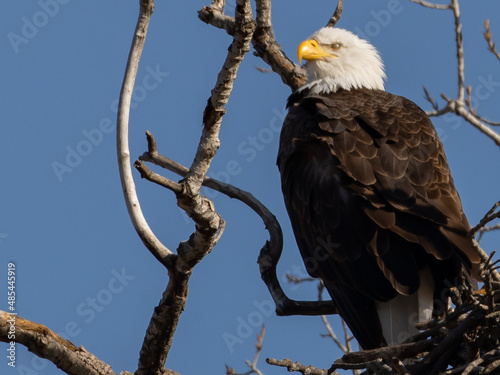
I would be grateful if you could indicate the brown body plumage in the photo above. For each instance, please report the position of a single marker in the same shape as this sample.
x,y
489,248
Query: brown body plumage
x,y
371,200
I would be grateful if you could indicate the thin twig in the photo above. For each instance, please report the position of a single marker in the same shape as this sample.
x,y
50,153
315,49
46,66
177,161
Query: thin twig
x,y
489,39
483,230
298,367
431,5
156,178
332,334
253,365
430,99
487,218
297,280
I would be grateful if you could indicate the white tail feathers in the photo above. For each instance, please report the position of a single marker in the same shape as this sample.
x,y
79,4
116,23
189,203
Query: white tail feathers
x,y
399,316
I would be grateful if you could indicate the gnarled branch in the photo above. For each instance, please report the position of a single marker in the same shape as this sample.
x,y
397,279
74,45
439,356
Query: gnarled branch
x,y
43,342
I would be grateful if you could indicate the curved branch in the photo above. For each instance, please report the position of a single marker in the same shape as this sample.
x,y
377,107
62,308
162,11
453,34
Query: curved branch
x,y
270,252
43,342
209,225
152,243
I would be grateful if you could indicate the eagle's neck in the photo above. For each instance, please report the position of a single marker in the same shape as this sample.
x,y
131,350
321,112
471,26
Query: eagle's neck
x,y
321,86
324,77
328,85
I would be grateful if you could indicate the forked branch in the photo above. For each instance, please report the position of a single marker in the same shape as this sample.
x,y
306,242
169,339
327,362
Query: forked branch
x,y
208,223
270,252
461,105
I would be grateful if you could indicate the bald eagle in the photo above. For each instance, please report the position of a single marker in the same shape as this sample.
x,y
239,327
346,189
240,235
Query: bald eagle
x,y
369,193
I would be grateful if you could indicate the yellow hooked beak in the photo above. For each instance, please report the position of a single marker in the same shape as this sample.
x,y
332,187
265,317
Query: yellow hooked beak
x,y
311,50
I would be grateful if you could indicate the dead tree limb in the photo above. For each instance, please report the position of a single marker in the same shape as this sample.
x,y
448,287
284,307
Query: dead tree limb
x,y
459,105
209,225
270,252
266,46
152,243
43,342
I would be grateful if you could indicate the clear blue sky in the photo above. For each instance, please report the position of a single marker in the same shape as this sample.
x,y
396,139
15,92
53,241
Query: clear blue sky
x,y
81,267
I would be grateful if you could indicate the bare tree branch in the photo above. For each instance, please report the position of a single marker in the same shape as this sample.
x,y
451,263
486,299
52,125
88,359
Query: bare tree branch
x,y
299,367
346,348
152,243
156,178
263,16
460,51
336,15
473,111
472,119
215,16
483,230
431,5
271,251
263,41
333,336
253,365
429,98
219,4
460,106
488,217
489,39
209,225
43,342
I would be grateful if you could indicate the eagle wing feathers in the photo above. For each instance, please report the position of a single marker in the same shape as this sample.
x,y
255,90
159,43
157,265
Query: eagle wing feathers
x,y
370,197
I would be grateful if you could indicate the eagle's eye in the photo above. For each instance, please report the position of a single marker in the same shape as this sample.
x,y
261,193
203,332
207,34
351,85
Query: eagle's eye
x,y
336,45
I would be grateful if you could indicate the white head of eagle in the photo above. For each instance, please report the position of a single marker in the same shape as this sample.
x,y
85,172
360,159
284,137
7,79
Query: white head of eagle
x,y
338,59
